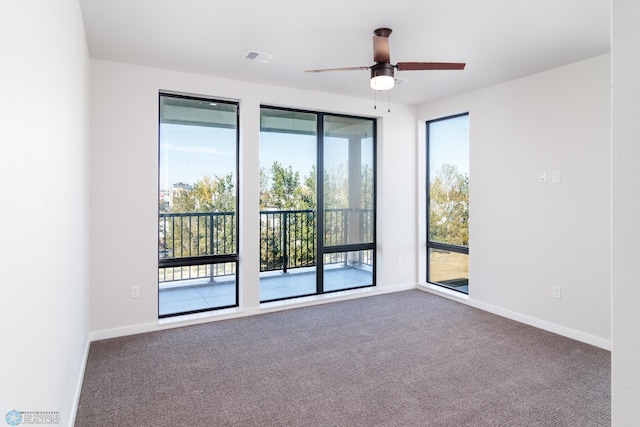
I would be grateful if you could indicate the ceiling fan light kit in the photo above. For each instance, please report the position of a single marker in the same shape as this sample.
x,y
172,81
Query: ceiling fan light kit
x,y
382,77
382,72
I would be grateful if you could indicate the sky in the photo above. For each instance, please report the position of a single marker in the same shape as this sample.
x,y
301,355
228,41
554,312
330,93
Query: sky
x,y
187,153
449,143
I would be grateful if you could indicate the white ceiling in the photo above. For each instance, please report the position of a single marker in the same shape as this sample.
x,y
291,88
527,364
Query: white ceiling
x,y
500,40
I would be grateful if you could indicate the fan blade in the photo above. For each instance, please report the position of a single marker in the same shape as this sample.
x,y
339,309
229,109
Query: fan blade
x,y
337,69
407,66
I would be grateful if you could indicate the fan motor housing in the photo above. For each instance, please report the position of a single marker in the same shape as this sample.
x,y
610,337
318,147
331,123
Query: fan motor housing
x,y
382,69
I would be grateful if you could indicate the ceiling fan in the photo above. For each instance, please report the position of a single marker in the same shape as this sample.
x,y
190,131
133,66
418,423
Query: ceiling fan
x,y
382,72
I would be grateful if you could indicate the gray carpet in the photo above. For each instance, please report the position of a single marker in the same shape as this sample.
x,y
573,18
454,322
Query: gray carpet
x,y
402,359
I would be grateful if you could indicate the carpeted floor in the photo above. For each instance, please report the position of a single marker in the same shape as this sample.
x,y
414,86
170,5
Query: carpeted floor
x,y
402,359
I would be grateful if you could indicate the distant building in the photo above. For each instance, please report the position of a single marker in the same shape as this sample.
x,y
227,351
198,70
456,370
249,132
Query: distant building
x,y
176,190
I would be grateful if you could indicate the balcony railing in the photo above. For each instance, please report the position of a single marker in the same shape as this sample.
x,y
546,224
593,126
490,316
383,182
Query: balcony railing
x,y
287,239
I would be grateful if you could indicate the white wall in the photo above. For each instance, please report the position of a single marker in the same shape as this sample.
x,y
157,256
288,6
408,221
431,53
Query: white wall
x,y
552,234
124,160
44,218
625,377
526,237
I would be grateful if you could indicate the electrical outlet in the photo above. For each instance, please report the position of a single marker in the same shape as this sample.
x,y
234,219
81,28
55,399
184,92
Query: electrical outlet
x,y
135,291
542,177
556,292
398,262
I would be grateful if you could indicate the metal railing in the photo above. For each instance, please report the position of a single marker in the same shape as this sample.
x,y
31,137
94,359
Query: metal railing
x,y
287,239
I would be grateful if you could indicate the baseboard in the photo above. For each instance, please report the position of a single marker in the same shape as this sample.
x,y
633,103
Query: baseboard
x,y
527,320
79,382
233,313
343,296
333,297
124,331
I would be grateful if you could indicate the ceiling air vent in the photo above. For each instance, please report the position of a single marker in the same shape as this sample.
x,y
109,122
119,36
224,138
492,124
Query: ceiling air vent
x,y
251,55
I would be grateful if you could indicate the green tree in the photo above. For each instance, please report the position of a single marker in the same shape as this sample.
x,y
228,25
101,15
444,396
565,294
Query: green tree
x,y
336,188
285,187
367,187
265,192
192,235
282,189
308,190
449,206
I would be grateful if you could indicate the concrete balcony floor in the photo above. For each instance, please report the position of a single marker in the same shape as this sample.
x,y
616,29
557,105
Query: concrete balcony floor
x,y
201,294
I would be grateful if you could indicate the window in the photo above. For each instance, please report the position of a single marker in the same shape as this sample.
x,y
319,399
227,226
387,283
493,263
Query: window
x,y
307,221
348,196
288,169
197,205
448,202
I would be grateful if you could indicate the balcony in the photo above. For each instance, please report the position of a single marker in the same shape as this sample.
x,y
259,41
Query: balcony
x,y
287,256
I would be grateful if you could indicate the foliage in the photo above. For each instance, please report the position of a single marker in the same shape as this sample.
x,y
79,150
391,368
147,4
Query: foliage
x,y
287,221
209,194
211,230
280,188
449,206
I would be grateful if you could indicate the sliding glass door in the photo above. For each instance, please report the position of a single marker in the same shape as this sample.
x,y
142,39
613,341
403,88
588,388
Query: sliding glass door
x,y
317,202
288,168
348,202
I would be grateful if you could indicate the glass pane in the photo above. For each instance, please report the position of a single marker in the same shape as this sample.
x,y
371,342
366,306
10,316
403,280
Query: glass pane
x,y
348,270
197,203
197,200
449,180
348,181
197,287
288,152
450,269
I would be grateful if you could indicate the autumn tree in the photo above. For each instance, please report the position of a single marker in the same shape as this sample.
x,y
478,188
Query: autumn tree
x,y
200,234
449,206
209,194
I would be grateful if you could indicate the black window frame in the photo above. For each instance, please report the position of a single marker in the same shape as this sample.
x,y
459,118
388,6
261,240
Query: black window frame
x,y
321,249
206,259
430,243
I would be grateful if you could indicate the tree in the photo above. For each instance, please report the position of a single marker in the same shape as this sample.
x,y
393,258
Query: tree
x,y
336,188
449,206
285,185
308,190
207,195
211,228
281,188
367,187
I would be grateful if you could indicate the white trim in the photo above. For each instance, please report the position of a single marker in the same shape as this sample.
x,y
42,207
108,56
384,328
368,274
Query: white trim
x,y
522,318
332,297
79,382
234,313
123,331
